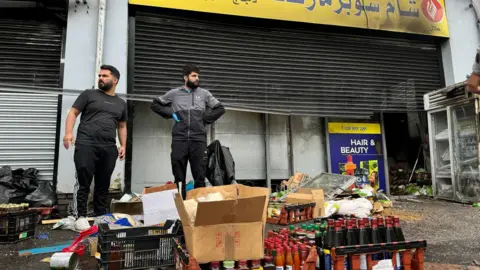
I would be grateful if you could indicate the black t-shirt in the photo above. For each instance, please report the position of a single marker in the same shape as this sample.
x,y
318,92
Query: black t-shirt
x,y
100,116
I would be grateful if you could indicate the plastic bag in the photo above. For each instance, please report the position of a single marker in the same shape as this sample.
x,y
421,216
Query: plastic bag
x,y
67,223
3,194
229,164
17,184
6,176
220,167
43,196
361,207
25,180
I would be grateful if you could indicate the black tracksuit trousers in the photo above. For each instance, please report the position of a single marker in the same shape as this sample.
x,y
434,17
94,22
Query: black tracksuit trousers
x,y
90,162
194,152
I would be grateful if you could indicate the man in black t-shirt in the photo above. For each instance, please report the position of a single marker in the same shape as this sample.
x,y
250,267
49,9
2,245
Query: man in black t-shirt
x,y
96,153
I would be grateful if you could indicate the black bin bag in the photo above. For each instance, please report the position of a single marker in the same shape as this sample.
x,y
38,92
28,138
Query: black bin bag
x,y
220,165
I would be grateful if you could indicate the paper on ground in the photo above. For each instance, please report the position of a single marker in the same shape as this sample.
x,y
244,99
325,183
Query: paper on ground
x,y
159,206
384,265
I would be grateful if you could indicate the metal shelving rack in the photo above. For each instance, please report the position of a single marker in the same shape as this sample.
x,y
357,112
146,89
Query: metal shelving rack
x,y
453,135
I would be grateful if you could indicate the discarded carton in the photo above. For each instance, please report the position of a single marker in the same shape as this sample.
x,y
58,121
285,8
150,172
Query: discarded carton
x,y
159,188
158,204
129,208
231,229
309,195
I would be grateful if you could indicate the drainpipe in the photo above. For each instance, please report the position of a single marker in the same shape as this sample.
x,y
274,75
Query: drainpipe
x,y
102,5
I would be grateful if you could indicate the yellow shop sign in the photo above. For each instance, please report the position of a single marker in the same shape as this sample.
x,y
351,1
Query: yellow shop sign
x,y
426,17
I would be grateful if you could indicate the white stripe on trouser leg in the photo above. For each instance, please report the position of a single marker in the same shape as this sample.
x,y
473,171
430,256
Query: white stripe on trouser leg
x,y
75,191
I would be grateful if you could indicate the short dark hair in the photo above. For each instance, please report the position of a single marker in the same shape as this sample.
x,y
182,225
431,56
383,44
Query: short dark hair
x,y
113,70
189,68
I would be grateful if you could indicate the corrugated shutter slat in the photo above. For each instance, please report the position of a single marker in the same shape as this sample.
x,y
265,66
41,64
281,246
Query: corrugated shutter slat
x,y
30,55
293,72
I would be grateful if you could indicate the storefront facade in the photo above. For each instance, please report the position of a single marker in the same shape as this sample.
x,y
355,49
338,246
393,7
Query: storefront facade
x,y
282,79
269,63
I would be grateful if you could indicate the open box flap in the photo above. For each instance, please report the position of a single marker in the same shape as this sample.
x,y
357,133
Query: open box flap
x,y
230,211
229,192
182,211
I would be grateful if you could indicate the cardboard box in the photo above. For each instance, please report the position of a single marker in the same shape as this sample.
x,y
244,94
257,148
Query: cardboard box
x,y
159,188
309,195
158,204
232,229
129,208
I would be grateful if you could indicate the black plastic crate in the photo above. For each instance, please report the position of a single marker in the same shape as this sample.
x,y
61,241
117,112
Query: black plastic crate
x,y
137,248
17,226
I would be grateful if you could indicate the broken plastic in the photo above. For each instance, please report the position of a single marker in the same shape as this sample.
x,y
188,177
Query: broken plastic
x,y
77,246
332,184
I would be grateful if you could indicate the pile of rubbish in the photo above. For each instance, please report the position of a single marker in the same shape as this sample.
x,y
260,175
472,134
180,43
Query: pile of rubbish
x,y
404,181
341,195
24,186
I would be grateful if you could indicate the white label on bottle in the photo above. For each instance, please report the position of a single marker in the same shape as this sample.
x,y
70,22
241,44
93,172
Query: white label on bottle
x,y
278,267
288,267
399,261
363,262
383,265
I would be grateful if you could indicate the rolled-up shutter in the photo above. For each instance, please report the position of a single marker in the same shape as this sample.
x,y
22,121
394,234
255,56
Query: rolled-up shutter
x,y
30,54
286,71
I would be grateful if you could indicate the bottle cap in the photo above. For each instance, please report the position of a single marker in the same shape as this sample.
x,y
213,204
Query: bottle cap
x,y
361,223
228,264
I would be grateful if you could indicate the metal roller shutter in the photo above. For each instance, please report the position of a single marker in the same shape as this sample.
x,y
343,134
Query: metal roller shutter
x,y
30,54
286,71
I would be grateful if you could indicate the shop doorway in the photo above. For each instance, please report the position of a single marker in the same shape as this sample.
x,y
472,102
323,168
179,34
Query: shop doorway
x,y
408,161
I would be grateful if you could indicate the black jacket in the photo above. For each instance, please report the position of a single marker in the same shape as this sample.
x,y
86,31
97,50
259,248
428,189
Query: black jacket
x,y
195,110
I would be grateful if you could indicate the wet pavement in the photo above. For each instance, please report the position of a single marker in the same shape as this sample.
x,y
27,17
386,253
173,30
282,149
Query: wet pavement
x,y
9,258
452,232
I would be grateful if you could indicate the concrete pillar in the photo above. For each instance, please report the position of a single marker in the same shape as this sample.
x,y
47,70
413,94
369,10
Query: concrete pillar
x,y
79,71
458,53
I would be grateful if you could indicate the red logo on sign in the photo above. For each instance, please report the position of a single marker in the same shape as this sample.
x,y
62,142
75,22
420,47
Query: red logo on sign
x,y
219,240
237,239
433,10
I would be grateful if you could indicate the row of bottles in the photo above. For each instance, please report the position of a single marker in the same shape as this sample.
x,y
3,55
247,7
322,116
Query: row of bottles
x,y
342,232
288,249
13,207
363,231
285,252
240,265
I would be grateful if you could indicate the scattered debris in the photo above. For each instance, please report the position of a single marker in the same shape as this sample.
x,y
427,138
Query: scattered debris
x,y
377,208
403,215
67,223
43,250
42,235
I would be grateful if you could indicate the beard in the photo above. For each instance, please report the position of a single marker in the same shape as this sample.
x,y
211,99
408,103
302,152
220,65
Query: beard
x,y
193,85
105,86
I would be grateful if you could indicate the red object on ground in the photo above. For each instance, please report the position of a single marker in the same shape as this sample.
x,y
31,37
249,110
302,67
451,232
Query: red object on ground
x,y
77,245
